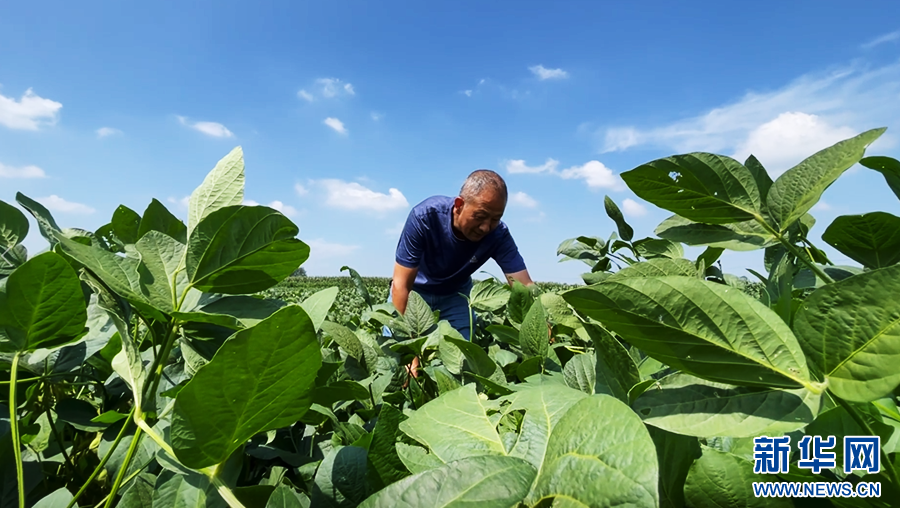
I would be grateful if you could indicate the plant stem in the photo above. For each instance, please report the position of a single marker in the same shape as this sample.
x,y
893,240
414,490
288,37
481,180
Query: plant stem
x,y
124,467
14,428
103,462
158,365
62,446
793,250
888,465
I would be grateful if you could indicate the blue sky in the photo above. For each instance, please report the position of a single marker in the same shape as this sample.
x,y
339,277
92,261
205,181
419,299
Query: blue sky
x,y
349,113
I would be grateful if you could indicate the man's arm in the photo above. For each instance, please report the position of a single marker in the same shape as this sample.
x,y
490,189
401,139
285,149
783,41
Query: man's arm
x,y
522,277
403,282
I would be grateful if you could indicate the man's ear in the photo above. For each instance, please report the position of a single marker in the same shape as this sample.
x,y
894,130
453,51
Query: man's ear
x,y
457,203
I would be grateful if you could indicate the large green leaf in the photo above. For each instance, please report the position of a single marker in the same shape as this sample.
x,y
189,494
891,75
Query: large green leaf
x,y
192,490
872,239
707,329
13,226
479,361
850,331
346,339
591,467
796,191
625,231
615,371
360,286
161,280
45,221
653,248
741,236
763,180
580,372
544,405
520,300
718,479
126,224
418,315
286,497
234,312
702,187
675,454
340,481
690,406
485,482
384,462
243,249
222,187
260,379
158,218
455,426
659,267
43,305
318,304
489,295
534,335
888,167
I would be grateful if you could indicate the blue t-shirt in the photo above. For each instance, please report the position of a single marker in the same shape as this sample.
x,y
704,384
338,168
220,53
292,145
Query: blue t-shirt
x,y
444,261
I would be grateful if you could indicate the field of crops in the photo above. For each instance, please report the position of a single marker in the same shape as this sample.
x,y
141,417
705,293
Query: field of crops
x,y
157,363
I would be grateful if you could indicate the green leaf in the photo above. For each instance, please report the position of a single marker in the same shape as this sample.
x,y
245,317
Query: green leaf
x,y
120,273
344,390
505,334
285,497
577,455
359,285
419,316
479,361
581,372
13,226
698,326
520,300
43,305
797,190
416,458
625,231
243,249
235,312
454,426
850,331
44,219
651,248
340,481
675,455
126,224
763,180
158,218
160,257
544,405
222,187
659,267
489,295
690,406
702,187
345,338
839,423
615,372
534,335
383,458
192,490
872,239
260,379
485,482
709,256
318,304
741,236
57,498
139,493
888,167
720,479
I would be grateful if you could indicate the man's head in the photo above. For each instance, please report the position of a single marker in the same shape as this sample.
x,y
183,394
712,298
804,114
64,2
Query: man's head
x,y
480,204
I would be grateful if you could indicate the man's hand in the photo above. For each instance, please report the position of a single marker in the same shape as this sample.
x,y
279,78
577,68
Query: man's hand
x,y
522,277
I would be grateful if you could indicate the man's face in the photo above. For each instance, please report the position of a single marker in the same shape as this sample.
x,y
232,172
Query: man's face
x,y
476,217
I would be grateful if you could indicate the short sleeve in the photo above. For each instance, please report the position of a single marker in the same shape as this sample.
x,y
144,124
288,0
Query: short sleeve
x,y
507,254
412,242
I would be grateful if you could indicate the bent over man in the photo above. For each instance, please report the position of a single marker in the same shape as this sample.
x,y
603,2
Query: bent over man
x,y
446,240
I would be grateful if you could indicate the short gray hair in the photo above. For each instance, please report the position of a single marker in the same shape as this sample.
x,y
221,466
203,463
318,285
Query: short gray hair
x,y
480,180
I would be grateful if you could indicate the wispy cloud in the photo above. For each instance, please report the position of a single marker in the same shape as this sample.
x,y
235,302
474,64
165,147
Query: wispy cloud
x,y
632,208
544,73
103,132
326,88
594,173
783,126
335,124
376,116
21,172
395,230
55,203
287,210
353,196
213,129
467,93
882,39
300,189
181,203
30,112
523,200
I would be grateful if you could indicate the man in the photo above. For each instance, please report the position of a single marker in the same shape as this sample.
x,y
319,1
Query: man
x,y
446,240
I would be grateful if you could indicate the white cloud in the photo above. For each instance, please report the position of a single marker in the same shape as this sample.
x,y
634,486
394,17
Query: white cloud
x,y
353,196
519,166
103,132
55,203
632,208
324,249
854,97
788,139
877,41
822,206
523,200
287,210
595,174
213,129
335,124
544,73
21,172
327,88
468,93
537,218
28,113
300,189
303,94
180,202
481,82
377,116
395,230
